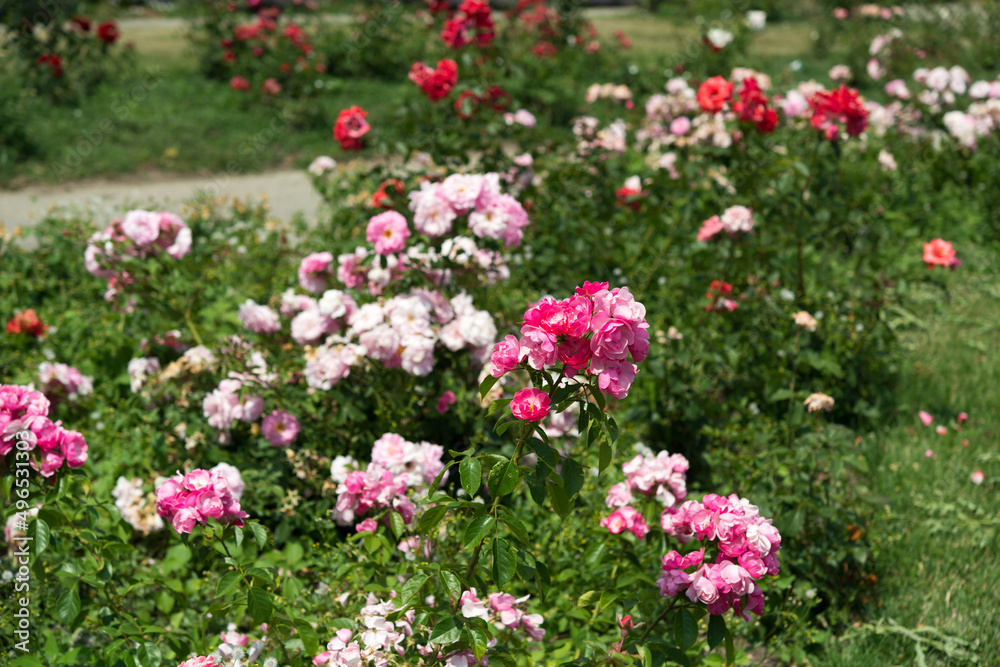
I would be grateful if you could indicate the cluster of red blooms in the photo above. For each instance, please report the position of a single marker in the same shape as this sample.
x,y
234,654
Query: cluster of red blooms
x,y
54,62
472,23
752,107
350,127
382,198
27,322
107,32
468,103
435,83
718,297
832,108
263,35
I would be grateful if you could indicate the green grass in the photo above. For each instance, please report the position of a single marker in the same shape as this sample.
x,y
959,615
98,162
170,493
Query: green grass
x,y
939,577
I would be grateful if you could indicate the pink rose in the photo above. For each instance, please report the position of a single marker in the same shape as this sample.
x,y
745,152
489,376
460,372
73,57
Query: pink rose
x,y
281,428
530,405
369,525
388,231
506,355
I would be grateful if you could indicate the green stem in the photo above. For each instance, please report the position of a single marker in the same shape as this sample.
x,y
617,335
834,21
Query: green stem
x,y
659,618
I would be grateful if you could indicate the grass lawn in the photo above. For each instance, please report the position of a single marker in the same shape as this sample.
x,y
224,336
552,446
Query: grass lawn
x,y
939,577
166,118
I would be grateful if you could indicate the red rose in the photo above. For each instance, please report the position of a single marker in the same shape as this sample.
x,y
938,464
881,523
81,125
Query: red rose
x,y
435,83
107,32
752,107
714,93
54,62
81,22
467,104
239,83
544,49
350,127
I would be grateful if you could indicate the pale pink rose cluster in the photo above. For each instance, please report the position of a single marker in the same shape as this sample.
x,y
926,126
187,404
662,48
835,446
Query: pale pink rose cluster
x,y
258,318
400,332
61,378
747,546
224,405
419,462
24,419
376,644
139,369
661,476
138,509
375,488
200,495
492,214
503,612
735,220
592,138
141,234
597,329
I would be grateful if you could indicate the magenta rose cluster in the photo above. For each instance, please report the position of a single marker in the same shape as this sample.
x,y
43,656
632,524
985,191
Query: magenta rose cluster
x,y
596,330
661,476
200,495
141,234
747,546
24,419
398,467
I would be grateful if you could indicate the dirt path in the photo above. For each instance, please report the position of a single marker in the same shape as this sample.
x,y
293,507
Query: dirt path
x,y
287,192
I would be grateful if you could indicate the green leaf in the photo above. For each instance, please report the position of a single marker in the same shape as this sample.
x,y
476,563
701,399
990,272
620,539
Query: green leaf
x,y
41,533
446,631
308,636
259,533
536,485
560,503
497,406
451,583
228,582
516,526
238,532
572,475
398,527
68,606
479,640
605,454
471,473
261,573
588,599
716,630
412,587
431,518
503,426
545,453
477,529
685,629
486,385
781,395
259,605
503,478
504,562
730,649
148,655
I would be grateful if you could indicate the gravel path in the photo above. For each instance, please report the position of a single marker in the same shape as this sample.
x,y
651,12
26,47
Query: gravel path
x,y
287,192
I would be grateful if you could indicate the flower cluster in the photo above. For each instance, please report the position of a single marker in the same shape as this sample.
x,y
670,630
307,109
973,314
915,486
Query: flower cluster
x,y
747,546
380,639
500,609
223,406
27,322
661,476
718,297
472,23
832,109
63,379
24,419
350,127
435,83
138,509
198,496
735,220
752,107
142,235
492,214
597,330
